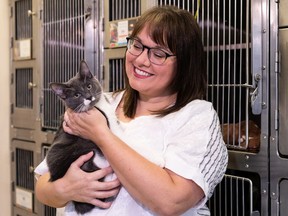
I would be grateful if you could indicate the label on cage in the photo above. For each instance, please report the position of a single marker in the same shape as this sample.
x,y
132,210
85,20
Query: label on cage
x,y
24,198
122,32
119,30
22,49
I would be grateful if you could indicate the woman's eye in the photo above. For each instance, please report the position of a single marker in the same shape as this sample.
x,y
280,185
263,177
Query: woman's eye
x,y
158,54
89,87
77,95
137,46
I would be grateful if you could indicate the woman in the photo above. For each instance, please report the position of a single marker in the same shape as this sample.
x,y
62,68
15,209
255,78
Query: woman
x,y
166,149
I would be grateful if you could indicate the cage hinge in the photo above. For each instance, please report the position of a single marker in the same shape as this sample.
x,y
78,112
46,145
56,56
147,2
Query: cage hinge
x,y
40,14
277,62
12,156
13,186
11,42
41,105
12,108
103,72
11,12
276,119
12,79
103,24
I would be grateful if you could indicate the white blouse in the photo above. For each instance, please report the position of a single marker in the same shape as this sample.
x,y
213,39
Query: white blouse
x,y
188,142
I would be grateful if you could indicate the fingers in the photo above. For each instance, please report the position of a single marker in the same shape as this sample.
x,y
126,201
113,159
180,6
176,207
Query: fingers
x,y
82,159
109,183
66,128
106,186
67,116
66,124
107,195
99,174
69,124
100,204
94,190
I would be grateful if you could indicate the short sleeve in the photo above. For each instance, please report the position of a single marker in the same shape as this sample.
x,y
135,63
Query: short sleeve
x,y
42,168
195,147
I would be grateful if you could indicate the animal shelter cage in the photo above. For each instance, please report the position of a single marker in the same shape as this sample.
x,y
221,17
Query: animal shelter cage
x,y
245,44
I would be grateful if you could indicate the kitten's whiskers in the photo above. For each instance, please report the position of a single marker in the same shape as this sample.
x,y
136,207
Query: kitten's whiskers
x,y
81,108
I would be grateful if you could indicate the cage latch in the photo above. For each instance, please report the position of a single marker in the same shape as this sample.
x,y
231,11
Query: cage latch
x,y
31,13
256,100
31,85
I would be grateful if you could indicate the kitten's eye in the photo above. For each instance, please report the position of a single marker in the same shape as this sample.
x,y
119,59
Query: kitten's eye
x,y
77,95
89,87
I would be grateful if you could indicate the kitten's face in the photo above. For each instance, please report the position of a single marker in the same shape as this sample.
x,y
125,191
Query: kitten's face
x,y
81,92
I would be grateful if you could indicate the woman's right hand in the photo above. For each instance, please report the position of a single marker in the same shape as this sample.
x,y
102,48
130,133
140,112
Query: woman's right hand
x,y
79,186
86,187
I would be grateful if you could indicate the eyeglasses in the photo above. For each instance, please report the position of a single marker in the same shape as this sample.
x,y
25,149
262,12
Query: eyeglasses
x,y
155,55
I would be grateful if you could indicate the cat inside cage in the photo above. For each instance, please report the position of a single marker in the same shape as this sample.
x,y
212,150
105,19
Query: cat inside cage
x,y
226,32
226,35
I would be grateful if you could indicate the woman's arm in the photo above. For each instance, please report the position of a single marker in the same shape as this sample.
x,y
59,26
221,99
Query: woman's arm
x,y
77,185
161,190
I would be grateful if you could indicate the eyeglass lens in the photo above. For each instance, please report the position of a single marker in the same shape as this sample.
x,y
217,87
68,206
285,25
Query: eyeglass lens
x,y
155,55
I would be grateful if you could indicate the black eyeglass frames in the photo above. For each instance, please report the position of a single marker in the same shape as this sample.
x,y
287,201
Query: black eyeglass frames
x,y
155,55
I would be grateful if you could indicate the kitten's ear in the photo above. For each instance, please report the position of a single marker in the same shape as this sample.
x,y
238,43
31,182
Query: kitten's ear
x,y
85,71
58,89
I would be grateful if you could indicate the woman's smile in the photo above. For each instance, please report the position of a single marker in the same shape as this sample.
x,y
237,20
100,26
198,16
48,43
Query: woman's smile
x,y
141,74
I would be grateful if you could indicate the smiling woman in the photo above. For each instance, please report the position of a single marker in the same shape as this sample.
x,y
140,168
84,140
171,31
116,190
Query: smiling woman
x,y
152,80
162,131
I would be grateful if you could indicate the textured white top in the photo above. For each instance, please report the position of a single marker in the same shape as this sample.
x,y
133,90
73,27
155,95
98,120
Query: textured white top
x,y
188,142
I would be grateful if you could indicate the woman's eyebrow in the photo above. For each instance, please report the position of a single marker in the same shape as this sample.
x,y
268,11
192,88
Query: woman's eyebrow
x,y
158,46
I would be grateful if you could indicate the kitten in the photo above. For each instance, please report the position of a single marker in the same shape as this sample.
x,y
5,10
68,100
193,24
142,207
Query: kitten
x,y
80,94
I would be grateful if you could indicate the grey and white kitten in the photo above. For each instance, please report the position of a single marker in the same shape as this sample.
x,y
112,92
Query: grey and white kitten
x,y
80,93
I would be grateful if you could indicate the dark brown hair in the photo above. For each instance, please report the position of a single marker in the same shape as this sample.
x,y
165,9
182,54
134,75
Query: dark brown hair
x,y
178,30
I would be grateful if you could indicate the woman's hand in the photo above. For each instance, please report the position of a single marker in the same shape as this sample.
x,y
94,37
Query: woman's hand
x,y
88,124
86,187
78,185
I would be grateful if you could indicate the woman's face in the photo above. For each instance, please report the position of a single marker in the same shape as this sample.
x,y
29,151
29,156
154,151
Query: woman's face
x,y
147,78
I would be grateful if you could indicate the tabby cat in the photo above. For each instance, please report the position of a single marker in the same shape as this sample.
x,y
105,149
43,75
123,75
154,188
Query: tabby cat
x,y
235,134
80,94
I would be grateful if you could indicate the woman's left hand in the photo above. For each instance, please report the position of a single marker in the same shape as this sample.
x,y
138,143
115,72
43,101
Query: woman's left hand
x,y
85,124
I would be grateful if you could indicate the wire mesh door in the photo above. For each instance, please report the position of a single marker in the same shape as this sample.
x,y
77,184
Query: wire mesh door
x,y
234,196
64,24
226,34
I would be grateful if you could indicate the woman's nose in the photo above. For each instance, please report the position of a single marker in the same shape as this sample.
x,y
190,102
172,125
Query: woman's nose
x,y
143,58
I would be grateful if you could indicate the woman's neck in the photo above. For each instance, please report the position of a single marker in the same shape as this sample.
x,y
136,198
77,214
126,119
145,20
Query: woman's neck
x,y
146,106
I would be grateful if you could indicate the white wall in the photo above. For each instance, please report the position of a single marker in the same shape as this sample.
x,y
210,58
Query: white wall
x,y
5,194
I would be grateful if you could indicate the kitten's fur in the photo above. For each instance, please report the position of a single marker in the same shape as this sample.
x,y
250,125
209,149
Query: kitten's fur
x,y
231,135
80,93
